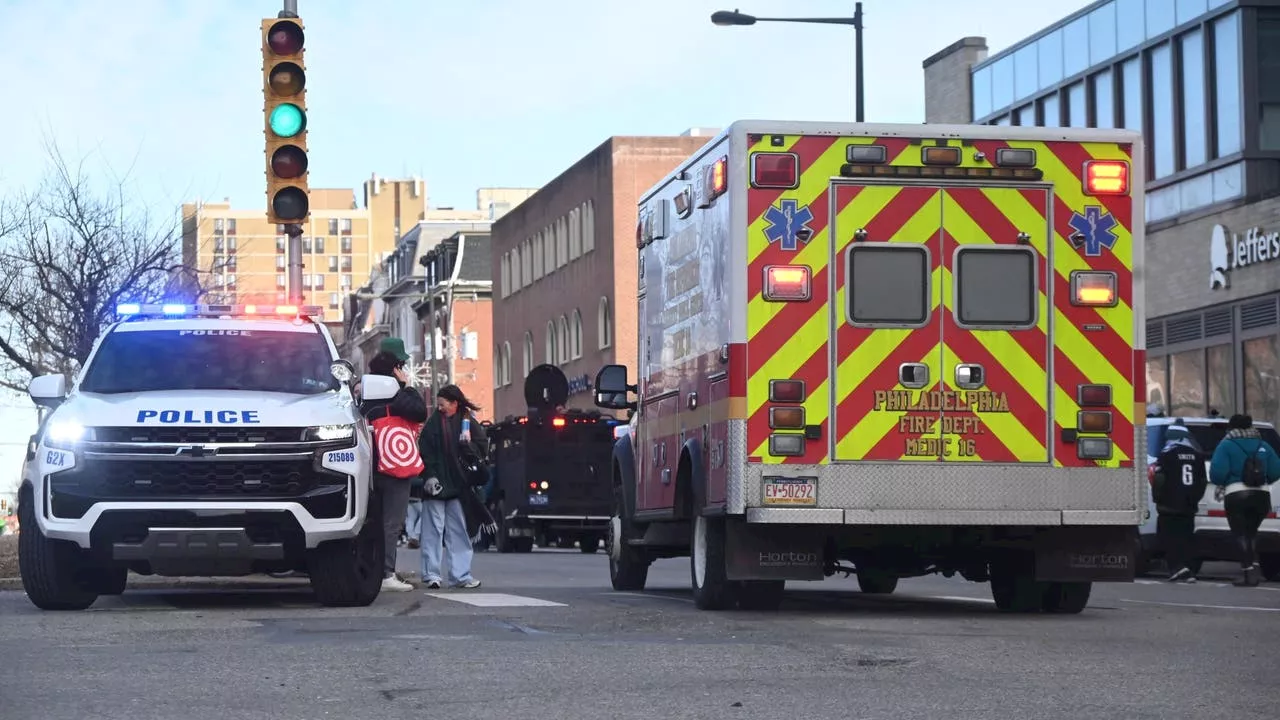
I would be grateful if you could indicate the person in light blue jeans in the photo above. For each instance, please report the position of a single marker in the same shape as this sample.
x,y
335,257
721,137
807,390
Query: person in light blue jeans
x,y
444,523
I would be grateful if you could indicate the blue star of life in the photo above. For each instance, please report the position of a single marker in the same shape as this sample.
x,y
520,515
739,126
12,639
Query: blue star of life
x,y
786,224
1094,230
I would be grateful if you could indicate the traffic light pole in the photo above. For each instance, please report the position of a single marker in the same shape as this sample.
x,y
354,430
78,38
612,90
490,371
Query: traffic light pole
x,y
290,9
294,232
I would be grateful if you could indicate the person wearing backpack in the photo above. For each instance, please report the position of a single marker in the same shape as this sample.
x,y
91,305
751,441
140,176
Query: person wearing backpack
x,y
397,461
1177,488
1242,469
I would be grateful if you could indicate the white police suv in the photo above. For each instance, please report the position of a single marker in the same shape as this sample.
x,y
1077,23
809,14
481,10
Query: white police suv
x,y
211,440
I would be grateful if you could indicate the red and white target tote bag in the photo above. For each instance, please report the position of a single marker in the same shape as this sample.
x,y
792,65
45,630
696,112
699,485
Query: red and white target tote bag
x,y
396,440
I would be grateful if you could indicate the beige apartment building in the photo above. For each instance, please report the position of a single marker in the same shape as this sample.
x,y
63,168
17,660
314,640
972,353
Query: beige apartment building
x,y
242,258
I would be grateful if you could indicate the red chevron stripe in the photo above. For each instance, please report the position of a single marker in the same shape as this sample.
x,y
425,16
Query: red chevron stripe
x,y
809,148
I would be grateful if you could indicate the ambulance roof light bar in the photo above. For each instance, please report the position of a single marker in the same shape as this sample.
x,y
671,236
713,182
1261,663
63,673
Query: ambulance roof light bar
x,y
138,311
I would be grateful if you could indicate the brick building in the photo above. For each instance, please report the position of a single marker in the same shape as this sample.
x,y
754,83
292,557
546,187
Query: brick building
x,y
456,305
1194,77
564,268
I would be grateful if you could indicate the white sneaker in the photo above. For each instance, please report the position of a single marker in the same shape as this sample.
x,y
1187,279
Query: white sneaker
x,y
472,583
395,584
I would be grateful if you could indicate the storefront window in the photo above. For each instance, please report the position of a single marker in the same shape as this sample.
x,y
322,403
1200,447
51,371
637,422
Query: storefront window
x,y
1186,383
1157,381
1262,379
1222,396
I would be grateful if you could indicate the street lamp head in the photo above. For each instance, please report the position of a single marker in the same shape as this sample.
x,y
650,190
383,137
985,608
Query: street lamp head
x,y
725,18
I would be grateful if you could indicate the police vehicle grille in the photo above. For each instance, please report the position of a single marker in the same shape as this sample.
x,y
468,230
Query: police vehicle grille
x,y
198,434
129,479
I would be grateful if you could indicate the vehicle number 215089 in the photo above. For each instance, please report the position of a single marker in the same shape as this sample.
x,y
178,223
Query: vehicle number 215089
x,y
341,457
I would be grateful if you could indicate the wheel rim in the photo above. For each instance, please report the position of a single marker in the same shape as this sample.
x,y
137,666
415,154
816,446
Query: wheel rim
x,y
612,538
699,551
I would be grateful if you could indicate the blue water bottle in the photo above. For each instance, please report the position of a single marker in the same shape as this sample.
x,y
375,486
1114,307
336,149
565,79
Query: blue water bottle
x,y
466,430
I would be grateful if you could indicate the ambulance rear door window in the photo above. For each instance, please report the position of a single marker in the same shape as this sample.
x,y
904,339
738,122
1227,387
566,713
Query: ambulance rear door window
x,y
995,287
888,284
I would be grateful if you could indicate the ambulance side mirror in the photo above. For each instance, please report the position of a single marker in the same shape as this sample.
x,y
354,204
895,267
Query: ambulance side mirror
x,y
48,390
611,388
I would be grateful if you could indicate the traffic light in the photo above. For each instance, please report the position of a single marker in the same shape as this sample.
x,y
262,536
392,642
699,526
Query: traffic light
x,y
284,87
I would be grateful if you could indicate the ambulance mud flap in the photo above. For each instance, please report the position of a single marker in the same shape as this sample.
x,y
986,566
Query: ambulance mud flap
x,y
772,552
1085,553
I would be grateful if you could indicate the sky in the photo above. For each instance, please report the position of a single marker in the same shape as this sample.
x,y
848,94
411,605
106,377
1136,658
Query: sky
x,y
166,96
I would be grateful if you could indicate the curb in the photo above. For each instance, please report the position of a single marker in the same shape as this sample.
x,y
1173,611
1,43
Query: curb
x,y
249,582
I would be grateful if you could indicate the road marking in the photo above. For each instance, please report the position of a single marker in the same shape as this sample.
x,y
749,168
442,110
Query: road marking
x,y
651,595
1203,605
495,599
961,598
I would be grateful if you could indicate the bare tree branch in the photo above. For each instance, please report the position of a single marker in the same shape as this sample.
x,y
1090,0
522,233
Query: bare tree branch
x,y
70,252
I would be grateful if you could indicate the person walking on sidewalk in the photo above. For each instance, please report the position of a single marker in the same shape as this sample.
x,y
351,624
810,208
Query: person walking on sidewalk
x,y
1177,488
444,521
408,405
1242,469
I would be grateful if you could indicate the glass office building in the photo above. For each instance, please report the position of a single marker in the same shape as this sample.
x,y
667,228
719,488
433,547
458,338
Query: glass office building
x,y
1200,79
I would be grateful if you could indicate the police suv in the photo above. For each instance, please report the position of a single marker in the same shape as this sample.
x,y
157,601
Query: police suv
x,y
211,440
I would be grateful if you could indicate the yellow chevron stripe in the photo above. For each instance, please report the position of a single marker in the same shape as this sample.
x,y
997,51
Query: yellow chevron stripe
x,y
871,429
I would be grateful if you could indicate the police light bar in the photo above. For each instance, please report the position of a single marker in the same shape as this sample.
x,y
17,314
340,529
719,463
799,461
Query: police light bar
x,y
175,310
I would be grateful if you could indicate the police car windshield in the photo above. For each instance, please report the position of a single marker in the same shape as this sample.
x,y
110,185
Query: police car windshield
x,y
255,360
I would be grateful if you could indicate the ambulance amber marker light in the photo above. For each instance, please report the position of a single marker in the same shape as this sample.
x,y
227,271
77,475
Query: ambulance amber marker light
x,y
1096,289
934,155
720,176
1106,177
786,283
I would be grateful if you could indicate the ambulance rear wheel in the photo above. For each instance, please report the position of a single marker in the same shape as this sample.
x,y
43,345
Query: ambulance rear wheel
x,y
712,590
1014,586
874,582
1066,598
761,595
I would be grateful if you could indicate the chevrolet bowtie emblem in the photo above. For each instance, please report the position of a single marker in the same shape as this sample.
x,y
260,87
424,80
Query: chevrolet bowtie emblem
x,y
196,450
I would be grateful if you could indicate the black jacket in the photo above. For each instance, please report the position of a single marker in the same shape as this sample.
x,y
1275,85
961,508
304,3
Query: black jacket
x,y
407,404
1180,481
441,457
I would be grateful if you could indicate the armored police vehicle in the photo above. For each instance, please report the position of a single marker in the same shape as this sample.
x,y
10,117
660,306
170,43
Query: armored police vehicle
x,y
212,440
552,469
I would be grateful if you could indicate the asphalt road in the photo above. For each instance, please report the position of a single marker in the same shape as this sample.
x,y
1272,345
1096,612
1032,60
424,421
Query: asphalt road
x,y
545,637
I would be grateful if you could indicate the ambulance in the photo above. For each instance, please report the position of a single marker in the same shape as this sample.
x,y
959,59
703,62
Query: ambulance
x,y
887,351
205,440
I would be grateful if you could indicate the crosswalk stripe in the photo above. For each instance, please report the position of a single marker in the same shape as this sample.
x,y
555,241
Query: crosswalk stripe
x,y
495,599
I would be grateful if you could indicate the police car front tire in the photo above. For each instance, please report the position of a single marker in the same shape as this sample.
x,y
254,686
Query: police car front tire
x,y
54,573
348,573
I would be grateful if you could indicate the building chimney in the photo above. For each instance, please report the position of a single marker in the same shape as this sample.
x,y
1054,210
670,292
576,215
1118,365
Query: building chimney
x,y
947,94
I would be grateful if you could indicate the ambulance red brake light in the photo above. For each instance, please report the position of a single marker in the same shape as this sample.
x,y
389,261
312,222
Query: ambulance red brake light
x,y
787,283
1106,177
786,391
1093,289
775,170
557,422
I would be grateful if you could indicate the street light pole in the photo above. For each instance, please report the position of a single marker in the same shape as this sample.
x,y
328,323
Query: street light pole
x,y
726,18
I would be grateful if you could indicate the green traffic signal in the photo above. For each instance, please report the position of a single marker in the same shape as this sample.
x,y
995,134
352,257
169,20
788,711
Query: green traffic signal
x,y
288,120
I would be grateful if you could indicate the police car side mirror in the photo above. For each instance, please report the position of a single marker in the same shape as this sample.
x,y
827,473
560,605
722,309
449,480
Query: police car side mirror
x,y
48,390
378,387
342,371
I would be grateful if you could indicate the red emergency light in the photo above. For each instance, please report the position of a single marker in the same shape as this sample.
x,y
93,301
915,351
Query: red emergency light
x,y
557,422
775,170
1106,177
786,283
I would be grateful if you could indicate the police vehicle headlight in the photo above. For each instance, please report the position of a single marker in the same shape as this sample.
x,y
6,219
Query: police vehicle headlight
x,y
331,432
64,433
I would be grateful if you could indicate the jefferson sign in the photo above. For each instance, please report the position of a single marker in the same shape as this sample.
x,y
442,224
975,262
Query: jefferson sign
x,y
1228,251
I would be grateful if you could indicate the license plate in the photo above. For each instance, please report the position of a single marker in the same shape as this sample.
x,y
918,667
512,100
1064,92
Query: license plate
x,y
790,491
536,499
